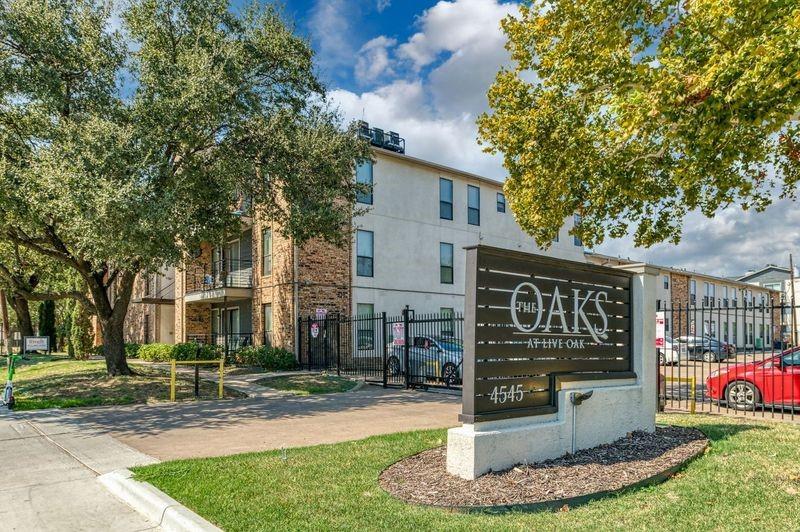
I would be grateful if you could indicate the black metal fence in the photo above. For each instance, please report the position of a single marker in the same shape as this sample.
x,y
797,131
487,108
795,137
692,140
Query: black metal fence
x,y
730,357
410,350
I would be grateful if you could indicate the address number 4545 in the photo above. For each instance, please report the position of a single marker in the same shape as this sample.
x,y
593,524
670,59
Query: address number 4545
x,y
511,394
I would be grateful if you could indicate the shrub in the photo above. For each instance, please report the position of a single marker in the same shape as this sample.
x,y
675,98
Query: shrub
x,y
189,351
132,350
156,352
269,358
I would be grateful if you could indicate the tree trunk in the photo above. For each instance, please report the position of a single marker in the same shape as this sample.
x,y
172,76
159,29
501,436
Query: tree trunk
x,y
22,310
114,348
6,324
111,316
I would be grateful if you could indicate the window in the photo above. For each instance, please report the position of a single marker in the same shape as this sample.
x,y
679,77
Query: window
x,y
665,278
725,336
445,199
710,294
666,324
725,296
448,323
734,332
713,329
749,334
501,202
792,359
735,296
365,313
364,177
364,253
267,311
445,263
266,250
576,220
692,292
473,205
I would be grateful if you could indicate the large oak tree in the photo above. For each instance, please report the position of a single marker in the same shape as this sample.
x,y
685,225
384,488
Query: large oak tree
x,y
127,136
634,113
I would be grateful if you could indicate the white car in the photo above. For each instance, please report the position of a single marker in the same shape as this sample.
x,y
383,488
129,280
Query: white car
x,y
669,355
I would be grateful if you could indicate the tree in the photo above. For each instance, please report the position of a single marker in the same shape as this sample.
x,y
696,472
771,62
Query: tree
x,y
81,339
47,321
119,156
632,115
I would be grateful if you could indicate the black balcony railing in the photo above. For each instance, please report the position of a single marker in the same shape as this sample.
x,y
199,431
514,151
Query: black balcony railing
x,y
230,342
222,274
388,140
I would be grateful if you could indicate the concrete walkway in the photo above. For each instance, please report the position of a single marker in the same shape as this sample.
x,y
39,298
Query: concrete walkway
x,y
49,478
213,428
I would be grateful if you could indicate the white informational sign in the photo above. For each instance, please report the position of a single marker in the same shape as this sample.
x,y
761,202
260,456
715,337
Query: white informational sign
x,y
314,330
660,329
322,313
398,334
36,343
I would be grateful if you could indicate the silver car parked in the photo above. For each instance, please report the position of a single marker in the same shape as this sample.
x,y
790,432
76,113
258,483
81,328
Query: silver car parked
x,y
430,357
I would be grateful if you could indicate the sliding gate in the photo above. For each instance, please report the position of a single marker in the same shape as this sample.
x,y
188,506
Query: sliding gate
x,y
411,350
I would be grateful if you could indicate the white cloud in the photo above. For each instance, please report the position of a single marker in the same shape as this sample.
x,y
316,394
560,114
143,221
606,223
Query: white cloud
x,y
382,4
455,27
729,244
373,59
329,22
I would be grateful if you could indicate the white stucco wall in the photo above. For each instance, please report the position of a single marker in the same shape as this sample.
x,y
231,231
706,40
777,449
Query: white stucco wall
x,y
404,218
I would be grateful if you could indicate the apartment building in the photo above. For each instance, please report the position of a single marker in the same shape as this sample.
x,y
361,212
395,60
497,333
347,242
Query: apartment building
x,y
151,315
408,249
780,278
695,303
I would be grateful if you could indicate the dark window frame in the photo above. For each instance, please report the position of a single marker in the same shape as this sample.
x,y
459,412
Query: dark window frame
x,y
366,198
364,259
473,210
445,269
501,202
266,254
445,205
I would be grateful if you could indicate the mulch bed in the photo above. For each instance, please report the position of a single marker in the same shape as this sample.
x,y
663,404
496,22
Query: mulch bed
x,y
423,478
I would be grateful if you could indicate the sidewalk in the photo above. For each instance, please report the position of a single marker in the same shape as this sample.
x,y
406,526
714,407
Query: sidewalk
x,y
49,478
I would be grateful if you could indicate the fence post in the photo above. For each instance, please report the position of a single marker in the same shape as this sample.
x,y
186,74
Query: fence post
x,y
221,376
385,348
406,349
338,345
173,369
197,373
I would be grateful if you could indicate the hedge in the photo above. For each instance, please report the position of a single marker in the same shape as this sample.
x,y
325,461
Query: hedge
x,y
185,351
269,358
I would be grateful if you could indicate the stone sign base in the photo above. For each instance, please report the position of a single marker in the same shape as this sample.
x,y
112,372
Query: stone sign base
x,y
616,408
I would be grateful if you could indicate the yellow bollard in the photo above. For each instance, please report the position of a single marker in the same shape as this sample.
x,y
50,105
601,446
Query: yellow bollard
x,y
172,382
221,373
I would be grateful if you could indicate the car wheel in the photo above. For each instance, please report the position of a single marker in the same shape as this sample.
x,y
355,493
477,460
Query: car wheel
x,y
708,356
742,395
393,366
449,374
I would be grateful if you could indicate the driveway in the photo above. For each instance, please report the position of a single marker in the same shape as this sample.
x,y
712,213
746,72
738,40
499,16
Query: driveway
x,y
170,431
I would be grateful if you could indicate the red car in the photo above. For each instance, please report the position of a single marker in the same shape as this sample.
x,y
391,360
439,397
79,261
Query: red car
x,y
774,381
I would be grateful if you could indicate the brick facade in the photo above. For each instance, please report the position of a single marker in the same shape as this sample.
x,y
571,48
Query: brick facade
x,y
195,318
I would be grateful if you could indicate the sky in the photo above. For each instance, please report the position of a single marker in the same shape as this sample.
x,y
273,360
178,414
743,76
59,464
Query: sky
x,y
422,68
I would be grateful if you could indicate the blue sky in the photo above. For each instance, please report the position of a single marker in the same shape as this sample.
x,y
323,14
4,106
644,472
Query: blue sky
x,y
422,68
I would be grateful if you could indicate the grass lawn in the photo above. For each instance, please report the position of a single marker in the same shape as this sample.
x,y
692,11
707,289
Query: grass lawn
x,y
749,479
309,384
54,381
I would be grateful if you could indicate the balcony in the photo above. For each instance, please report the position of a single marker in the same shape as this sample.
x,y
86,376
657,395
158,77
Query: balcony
x,y
226,280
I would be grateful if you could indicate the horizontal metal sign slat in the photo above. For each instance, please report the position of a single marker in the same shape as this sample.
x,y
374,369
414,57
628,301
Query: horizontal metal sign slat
x,y
489,316
513,368
570,271
486,404
492,279
508,351
486,386
495,333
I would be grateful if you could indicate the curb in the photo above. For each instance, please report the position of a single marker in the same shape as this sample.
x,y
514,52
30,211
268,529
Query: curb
x,y
154,504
